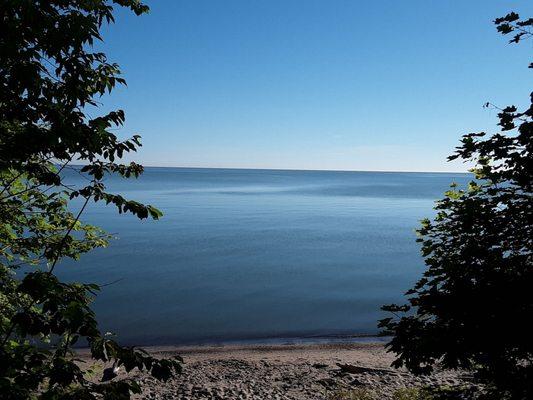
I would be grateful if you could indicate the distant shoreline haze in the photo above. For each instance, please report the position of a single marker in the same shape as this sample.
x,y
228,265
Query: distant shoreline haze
x,y
312,170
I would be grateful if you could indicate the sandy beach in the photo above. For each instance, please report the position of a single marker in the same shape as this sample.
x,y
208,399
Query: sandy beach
x,y
292,371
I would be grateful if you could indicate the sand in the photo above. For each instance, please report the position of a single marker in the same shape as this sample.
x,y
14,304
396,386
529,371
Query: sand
x,y
309,371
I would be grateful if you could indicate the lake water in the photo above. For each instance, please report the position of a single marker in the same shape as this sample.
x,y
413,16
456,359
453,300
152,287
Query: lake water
x,y
257,254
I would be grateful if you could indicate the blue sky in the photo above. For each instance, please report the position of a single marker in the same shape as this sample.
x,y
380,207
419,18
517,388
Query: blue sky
x,y
309,84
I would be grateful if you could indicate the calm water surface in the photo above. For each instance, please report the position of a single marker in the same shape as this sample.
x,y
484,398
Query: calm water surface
x,y
256,254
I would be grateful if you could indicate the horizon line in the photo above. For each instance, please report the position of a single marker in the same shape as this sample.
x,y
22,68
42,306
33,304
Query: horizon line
x,y
308,170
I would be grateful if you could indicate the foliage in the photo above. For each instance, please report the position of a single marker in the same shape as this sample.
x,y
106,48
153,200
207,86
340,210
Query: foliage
x,y
434,393
473,305
50,83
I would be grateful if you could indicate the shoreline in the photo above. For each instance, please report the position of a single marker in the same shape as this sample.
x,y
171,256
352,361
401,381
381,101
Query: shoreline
x,y
234,348
264,342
